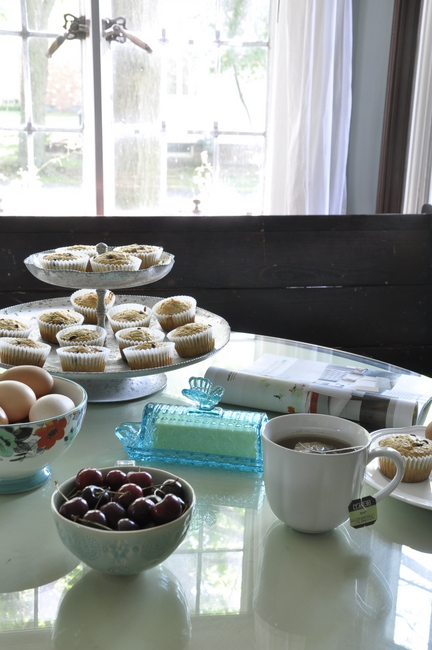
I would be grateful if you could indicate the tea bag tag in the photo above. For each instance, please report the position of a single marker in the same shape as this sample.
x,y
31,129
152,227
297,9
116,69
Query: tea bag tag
x,y
363,512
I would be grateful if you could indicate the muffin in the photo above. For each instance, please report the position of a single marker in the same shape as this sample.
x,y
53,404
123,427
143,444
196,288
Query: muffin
x,y
10,326
23,351
65,261
149,255
83,358
417,453
85,301
128,315
52,321
149,354
114,261
193,339
87,249
175,311
134,335
87,334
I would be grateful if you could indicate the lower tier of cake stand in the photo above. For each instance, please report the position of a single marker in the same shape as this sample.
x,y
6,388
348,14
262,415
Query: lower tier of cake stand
x,y
120,389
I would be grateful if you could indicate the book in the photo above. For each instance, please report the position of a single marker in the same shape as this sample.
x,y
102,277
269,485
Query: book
x,y
375,398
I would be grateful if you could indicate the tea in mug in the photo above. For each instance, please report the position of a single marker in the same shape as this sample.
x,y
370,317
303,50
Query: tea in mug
x,y
314,443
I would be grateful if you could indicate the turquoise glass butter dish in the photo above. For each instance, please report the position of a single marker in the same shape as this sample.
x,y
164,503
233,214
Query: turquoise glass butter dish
x,y
202,434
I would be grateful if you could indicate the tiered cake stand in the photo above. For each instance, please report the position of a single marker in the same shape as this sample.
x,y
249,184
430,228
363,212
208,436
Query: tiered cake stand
x,y
117,382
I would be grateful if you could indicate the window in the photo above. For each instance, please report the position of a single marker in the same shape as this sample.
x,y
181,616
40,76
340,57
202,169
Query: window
x,y
103,126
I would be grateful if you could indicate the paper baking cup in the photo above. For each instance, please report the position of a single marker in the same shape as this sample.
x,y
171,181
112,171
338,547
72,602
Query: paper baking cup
x,y
169,322
139,359
193,345
118,325
72,361
79,264
133,265
90,313
96,335
48,331
124,337
19,355
416,469
149,258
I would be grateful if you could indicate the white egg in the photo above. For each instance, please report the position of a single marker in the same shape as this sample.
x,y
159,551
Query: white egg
x,y
50,406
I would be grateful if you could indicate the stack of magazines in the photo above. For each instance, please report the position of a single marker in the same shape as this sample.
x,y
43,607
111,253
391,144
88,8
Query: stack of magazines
x,y
375,398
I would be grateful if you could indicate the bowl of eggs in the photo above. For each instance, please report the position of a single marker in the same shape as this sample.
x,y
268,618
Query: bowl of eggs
x,y
40,416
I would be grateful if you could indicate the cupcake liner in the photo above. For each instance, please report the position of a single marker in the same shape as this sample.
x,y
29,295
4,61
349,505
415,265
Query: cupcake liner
x,y
133,264
90,313
139,358
72,360
149,255
134,335
97,335
78,264
118,325
19,355
416,469
48,331
193,344
169,322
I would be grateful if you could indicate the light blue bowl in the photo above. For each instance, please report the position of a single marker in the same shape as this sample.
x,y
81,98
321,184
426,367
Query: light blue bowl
x,y
123,552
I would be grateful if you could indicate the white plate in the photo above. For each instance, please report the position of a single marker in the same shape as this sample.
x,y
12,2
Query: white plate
x,y
416,494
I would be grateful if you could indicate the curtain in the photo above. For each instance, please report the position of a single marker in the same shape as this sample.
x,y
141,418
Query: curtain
x,y
309,107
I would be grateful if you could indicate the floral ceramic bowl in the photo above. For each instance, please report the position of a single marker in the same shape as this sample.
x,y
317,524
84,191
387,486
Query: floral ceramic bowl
x,y
28,449
123,552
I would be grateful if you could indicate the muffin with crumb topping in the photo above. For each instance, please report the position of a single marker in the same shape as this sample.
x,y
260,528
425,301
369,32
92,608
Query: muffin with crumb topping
x,y
134,335
128,315
149,354
15,327
193,339
64,261
85,302
175,311
417,453
88,334
83,358
115,261
23,351
148,254
50,322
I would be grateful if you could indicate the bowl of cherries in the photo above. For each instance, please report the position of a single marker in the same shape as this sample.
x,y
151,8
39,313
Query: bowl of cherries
x,y
123,520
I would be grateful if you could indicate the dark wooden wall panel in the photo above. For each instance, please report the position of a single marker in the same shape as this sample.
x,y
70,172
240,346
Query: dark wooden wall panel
x,y
360,283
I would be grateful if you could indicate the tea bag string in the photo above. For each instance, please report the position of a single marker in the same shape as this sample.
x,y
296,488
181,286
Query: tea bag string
x,y
336,450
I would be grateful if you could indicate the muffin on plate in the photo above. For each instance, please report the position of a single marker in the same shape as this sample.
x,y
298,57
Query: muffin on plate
x,y
88,334
50,322
11,326
149,255
134,335
23,351
149,354
130,314
83,358
175,311
417,452
193,339
87,249
85,302
65,261
114,261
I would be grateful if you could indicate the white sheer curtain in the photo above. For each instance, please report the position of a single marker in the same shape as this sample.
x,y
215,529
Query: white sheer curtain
x,y
310,107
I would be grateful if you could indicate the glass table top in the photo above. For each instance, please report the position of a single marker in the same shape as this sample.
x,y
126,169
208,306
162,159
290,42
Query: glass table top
x,y
240,578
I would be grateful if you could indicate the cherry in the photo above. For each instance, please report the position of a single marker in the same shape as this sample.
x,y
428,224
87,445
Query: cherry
x,y
88,476
143,479
170,508
126,524
76,507
127,493
113,512
115,478
140,511
173,486
95,496
94,519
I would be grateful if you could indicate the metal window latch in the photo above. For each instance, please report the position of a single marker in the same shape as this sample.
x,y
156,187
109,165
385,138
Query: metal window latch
x,y
115,30
74,28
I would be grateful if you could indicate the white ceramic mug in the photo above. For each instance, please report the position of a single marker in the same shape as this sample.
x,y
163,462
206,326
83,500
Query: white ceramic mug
x,y
311,492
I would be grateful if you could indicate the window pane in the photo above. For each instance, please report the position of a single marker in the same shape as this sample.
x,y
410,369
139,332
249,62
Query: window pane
x,y
245,19
10,82
10,15
240,186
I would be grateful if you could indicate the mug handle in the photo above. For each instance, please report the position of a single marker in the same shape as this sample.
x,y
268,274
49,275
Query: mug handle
x,y
398,460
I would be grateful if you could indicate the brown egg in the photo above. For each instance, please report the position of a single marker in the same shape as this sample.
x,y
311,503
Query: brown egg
x,y
16,399
3,417
39,380
428,432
